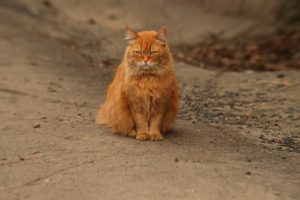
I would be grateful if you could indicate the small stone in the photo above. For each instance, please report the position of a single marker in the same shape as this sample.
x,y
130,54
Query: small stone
x,y
248,173
279,148
176,160
36,152
51,89
21,158
280,76
91,21
112,17
47,3
261,136
33,63
68,137
37,125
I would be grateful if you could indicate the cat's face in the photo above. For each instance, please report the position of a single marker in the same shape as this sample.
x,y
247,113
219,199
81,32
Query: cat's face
x,y
147,51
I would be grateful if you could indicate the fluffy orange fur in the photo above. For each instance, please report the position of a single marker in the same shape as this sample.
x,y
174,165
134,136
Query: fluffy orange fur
x,y
142,100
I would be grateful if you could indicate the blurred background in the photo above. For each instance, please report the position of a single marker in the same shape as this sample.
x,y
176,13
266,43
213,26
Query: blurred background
x,y
237,133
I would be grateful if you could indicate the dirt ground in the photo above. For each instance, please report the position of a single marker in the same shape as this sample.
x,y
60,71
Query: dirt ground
x,y
237,134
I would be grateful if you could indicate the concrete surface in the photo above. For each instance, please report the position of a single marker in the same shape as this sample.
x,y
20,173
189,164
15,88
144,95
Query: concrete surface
x,y
237,135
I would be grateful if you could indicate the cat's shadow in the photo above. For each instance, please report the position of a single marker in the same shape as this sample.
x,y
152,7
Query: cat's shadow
x,y
171,133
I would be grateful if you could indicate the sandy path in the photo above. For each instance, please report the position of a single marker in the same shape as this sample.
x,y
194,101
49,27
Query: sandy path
x,y
53,75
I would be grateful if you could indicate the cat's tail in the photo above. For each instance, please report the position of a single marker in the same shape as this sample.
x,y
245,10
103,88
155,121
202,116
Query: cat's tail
x,y
101,116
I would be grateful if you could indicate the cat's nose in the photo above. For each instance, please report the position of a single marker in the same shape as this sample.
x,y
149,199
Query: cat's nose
x,y
146,59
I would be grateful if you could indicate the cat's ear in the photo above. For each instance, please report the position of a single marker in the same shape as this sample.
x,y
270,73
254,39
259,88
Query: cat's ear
x,y
130,34
162,34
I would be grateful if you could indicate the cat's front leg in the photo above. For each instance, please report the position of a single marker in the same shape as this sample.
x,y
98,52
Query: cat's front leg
x,y
141,127
155,124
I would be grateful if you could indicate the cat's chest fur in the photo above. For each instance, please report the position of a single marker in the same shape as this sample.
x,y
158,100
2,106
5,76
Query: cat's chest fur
x,y
148,92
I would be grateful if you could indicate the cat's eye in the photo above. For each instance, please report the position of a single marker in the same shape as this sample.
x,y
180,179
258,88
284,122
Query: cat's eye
x,y
153,52
138,52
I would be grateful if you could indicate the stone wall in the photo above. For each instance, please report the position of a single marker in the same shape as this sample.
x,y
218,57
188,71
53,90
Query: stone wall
x,y
269,10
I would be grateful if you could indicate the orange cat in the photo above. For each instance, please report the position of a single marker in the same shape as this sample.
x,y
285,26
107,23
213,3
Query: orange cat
x,y
142,100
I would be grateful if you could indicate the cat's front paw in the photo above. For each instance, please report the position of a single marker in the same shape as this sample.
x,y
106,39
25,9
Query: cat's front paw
x,y
132,134
156,136
142,136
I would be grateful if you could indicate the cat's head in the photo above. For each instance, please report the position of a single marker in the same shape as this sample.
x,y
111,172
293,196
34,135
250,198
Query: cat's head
x,y
147,51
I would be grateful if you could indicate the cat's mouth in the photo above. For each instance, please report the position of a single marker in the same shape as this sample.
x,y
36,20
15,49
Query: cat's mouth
x,y
146,65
